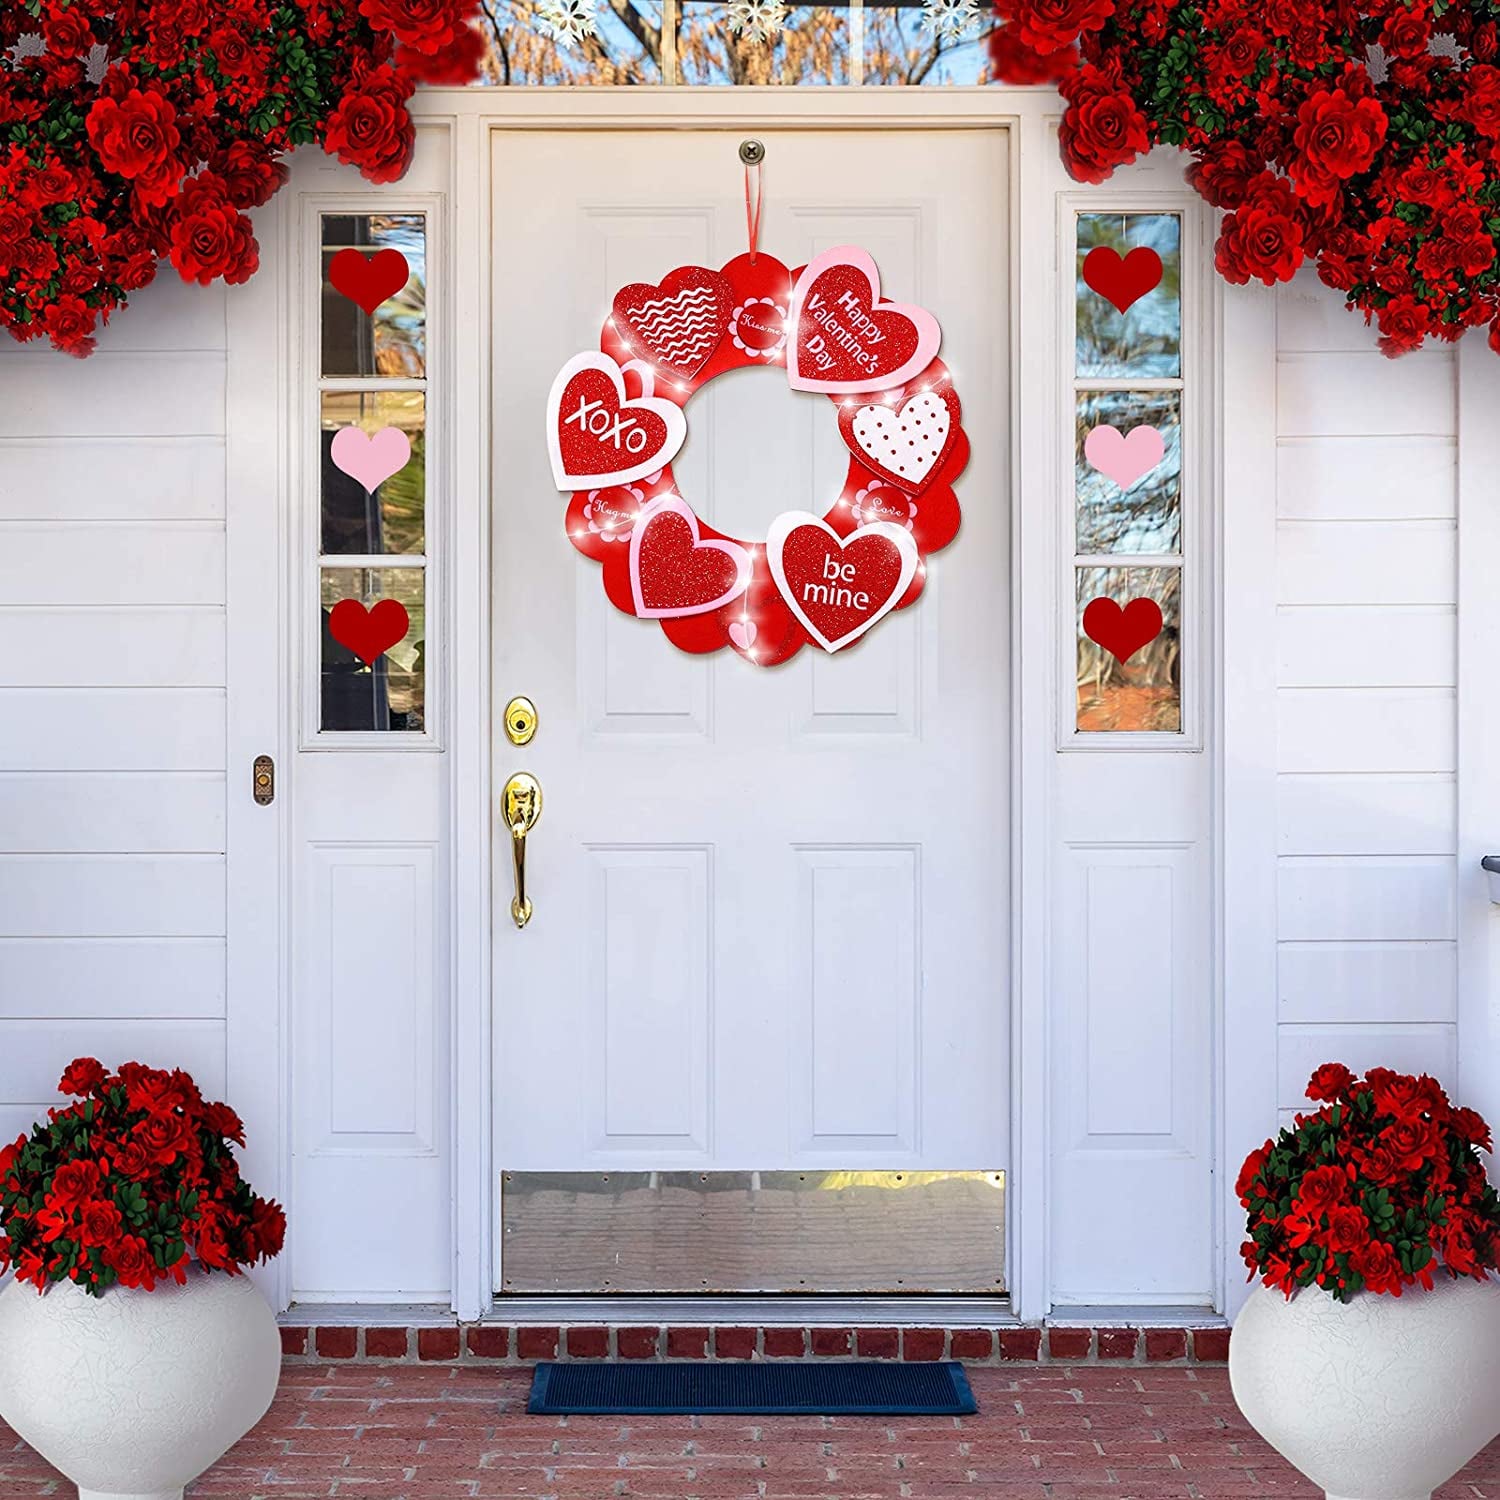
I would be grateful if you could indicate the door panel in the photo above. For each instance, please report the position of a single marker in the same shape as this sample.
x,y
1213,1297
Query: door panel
x,y
770,904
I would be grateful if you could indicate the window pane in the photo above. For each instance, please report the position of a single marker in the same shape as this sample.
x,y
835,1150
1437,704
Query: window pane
x,y
389,693
392,519
1146,338
393,339
811,47
1146,514
899,49
1145,692
623,49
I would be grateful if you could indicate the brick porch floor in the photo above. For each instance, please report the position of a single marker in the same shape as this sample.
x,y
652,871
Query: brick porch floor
x,y
1054,1433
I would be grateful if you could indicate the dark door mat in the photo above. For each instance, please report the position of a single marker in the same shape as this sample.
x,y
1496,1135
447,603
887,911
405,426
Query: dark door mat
x,y
828,1388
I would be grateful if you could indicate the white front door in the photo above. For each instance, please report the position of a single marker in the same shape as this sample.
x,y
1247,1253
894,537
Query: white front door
x,y
770,926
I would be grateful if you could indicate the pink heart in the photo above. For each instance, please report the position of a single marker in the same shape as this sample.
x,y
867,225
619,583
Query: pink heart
x,y
1124,457
371,460
743,633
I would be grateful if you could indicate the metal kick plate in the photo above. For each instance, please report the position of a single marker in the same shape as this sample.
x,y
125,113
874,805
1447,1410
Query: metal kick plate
x,y
724,1232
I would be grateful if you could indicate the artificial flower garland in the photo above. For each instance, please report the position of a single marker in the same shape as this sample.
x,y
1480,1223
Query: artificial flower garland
x,y
136,131
1362,138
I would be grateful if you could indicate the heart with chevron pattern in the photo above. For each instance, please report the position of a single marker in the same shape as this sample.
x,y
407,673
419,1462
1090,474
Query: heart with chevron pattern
x,y
677,324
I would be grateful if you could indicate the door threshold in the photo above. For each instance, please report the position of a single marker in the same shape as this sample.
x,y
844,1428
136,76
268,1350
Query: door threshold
x,y
795,1311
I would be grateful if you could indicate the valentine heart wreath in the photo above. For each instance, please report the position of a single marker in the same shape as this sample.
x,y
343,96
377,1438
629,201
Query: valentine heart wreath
x,y
1363,137
140,130
825,579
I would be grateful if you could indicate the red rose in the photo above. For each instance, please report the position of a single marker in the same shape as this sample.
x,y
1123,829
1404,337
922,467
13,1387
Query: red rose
x,y
69,33
1330,1082
1321,1188
1406,33
1412,1142
99,1223
219,1119
131,1261
454,65
1223,173
131,1159
251,176
1458,1250
1377,1263
371,128
211,238
1014,62
1250,1171
1348,1228
1100,130
9,1156
1468,1124
84,1074
423,25
1481,100
267,1228
1054,25
153,1091
162,1137
136,136
1336,138
73,1183
1263,237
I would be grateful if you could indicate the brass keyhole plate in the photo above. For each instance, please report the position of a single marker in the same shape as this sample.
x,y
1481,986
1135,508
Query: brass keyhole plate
x,y
520,721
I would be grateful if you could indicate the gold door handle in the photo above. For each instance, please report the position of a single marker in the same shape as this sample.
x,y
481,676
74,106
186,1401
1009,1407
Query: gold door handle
x,y
521,806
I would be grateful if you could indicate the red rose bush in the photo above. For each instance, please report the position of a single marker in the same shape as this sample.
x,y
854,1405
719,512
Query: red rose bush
x,y
1375,1191
129,1185
1364,139
135,131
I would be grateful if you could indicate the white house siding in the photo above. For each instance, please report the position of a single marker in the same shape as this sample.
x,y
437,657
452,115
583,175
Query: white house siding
x,y
1366,675
112,702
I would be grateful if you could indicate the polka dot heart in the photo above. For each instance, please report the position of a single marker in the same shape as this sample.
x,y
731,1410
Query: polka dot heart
x,y
903,439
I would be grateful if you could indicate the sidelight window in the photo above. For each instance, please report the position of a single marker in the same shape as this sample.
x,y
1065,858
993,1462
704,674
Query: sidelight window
x,y
1128,479
372,474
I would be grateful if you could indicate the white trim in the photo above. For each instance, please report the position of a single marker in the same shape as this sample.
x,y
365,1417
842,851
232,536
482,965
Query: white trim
x,y
1478,1082
256,874
1245,781
471,820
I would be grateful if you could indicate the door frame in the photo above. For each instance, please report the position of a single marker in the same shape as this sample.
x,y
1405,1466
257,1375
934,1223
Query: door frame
x,y
259,1035
1029,118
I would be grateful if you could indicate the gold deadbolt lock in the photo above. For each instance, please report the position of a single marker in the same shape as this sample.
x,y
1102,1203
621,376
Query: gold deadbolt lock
x,y
520,721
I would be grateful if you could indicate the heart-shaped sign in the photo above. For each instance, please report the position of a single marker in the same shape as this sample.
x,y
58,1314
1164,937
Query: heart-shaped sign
x,y
844,338
370,458
597,436
673,572
837,586
1122,632
369,633
677,324
1124,457
368,279
1122,280
903,439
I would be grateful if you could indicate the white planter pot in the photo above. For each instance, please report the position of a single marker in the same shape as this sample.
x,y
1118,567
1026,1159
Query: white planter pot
x,y
1381,1398
135,1393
